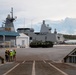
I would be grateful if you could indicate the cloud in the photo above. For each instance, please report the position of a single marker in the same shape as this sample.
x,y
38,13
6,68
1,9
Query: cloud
x,y
34,11
66,26
52,9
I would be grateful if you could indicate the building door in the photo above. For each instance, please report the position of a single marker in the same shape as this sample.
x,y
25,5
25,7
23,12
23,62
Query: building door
x,y
23,42
12,43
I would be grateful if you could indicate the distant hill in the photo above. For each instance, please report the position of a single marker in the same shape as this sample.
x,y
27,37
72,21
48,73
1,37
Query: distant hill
x,y
70,37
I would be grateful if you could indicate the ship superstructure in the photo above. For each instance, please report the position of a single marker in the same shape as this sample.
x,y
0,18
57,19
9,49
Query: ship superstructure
x,y
9,26
45,28
7,31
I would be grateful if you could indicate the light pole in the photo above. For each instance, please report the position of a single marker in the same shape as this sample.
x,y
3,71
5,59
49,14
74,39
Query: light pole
x,y
4,40
32,21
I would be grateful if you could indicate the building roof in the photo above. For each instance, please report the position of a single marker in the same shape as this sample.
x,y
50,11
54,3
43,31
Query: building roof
x,y
7,33
23,29
23,35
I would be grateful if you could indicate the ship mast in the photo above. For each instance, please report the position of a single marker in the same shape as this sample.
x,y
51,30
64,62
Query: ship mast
x,y
9,26
12,13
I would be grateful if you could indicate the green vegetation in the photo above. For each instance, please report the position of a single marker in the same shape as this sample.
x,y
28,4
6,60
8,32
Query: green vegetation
x,y
37,44
73,37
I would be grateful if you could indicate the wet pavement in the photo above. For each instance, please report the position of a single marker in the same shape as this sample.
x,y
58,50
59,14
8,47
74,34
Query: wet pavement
x,y
39,61
56,53
5,67
37,67
43,68
70,70
24,68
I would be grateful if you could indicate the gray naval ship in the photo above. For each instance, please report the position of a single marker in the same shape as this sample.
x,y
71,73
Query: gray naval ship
x,y
44,34
8,23
7,31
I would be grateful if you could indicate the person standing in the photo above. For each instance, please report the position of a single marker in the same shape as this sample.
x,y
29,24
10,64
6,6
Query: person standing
x,y
14,54
11,55
6,56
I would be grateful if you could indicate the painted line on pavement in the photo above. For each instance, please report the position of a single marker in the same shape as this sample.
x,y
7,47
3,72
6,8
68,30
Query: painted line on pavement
x,y
71,64
6,63
11,69
1,64
44,61
58,69
23,62
9,62
58,61
33,68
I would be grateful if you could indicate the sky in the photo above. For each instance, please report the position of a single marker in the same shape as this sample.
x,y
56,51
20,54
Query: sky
x,y
29,12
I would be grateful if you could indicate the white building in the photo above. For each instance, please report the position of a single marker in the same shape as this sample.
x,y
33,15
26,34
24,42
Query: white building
x,y
22,41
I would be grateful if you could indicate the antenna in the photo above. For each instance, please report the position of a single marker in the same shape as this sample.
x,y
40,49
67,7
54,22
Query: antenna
x,y
24,22
12,12
31,22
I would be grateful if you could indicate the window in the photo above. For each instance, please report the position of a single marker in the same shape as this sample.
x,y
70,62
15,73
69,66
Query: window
x,y
30,38
58,38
